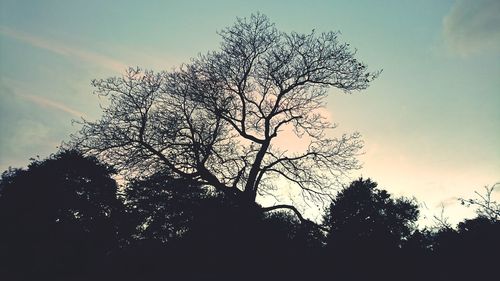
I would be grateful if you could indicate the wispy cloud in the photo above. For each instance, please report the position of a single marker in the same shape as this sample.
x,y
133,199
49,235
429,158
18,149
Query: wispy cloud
x,y
472,27
17,89
45,102
64,49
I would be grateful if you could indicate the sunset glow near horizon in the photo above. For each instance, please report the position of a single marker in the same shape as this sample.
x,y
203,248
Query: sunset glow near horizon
x,y
430,122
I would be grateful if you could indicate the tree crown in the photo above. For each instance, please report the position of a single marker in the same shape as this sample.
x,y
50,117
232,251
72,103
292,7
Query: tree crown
x,y
215,120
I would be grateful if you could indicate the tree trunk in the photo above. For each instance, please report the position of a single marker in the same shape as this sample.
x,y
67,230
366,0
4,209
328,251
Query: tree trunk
x,y
250,191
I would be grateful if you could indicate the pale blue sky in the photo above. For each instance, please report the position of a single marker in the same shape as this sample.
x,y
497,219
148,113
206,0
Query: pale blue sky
x,y
431,121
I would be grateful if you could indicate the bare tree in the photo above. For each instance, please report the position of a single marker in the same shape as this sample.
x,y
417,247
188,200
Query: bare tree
x,y
486,206
214,120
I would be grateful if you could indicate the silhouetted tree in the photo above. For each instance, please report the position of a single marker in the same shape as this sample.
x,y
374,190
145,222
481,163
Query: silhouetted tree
x,y
361,211
367,229
468,252
215,120
58,217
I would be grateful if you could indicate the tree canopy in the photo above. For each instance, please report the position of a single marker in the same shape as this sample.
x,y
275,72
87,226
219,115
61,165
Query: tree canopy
x,y
215,119
58,216
368,230
361,212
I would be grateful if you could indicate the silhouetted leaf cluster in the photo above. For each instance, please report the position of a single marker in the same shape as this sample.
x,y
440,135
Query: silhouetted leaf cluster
x,y
58,217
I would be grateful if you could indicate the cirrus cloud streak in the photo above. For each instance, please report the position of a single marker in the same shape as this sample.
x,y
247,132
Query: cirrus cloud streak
x,y
65,49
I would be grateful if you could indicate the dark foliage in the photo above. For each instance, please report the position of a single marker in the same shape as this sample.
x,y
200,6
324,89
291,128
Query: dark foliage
x,y
62,220
58,217
163,207
468,253
367,230
361,212
193,233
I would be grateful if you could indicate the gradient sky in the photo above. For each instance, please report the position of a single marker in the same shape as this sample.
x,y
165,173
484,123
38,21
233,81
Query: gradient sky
x,y
430,122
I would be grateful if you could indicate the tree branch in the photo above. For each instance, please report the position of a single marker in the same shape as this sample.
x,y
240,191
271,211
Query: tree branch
x,y
296,212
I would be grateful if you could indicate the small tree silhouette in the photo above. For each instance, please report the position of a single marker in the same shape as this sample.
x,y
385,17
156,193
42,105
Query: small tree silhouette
x,y
59,217
368,229
363,212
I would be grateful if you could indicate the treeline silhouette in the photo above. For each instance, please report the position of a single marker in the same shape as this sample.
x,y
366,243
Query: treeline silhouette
x,y
65,218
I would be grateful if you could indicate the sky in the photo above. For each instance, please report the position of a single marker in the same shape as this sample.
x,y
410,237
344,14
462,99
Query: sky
x,y
430,122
